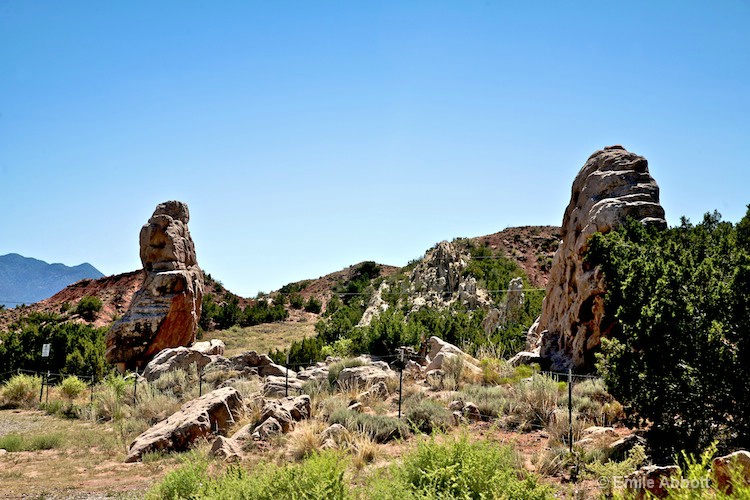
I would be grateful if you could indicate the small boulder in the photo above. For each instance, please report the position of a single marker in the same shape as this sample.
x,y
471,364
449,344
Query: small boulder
x,y
172,359
210,347
618,450
525,358
651,480
378,391
723,467
363,376
471,411
226,449
276,386
270,427
356,407
275,370
334,436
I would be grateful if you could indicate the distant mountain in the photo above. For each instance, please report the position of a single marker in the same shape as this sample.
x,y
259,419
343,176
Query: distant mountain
x,y
26,280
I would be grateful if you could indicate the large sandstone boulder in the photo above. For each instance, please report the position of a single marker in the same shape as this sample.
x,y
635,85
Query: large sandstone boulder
x,y
165,311
175,359
208,415
364,376
613,185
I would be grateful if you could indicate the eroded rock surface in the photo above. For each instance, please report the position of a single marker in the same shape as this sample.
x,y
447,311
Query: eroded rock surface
x,y
613,185
202,417
165,311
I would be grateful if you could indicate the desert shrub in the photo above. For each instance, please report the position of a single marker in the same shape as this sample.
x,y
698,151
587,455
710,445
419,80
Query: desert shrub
x,y
492,401
335,369
533,402
22,390
319,476
607,472
17,442
428,415
340,348
459,468
296,301
186,481
72,387
313,305
88,307
380,428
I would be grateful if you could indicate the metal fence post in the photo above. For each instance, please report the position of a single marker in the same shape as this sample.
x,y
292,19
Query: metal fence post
x,y
400,381
570,409
200,382
286,380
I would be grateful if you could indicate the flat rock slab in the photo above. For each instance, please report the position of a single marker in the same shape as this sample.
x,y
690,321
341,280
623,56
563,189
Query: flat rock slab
x,y
208,415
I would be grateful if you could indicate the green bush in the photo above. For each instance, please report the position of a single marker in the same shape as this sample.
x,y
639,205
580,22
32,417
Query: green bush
x,y
72,387
428,415
296,301
313,305
88,307
22,390
75,347
459,468
380,428
16,442
677,355
319,476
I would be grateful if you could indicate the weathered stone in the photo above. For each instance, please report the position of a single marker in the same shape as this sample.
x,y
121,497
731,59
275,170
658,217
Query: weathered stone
x,y
226,449
724,466
525,358
457,418
378,391
613,185
319,373
363,376
250,359
335,432
276,386
165,311
471,412
619,449
270,427
651,479
356,407
299,407
275,370
177,358
210,347
207,415
273,409
456,405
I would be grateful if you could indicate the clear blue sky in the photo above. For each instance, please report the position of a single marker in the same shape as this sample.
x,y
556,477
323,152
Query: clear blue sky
x,y
306,136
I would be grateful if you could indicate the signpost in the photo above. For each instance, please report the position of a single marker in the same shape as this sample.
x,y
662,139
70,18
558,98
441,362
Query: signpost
x,y
45,354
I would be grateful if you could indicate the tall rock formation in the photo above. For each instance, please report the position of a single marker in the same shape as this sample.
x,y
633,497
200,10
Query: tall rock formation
x,y
165,311
613,185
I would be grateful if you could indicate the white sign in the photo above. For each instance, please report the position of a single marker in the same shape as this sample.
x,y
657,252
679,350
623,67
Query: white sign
x,y
45,350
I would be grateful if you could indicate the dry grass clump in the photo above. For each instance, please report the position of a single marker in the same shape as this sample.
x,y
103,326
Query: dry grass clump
x,y
21,391
306,439
533,402
364,451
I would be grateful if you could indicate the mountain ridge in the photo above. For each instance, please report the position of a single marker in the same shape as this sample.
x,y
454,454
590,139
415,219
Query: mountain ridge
x,y
27,280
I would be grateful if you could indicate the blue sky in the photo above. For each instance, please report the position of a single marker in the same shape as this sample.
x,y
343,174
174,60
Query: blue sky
x,y
307,136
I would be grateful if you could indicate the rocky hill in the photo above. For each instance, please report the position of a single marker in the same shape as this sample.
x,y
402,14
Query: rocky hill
x,y
24,280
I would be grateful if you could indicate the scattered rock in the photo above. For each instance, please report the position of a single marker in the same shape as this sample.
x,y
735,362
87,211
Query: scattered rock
x,y
209,347
334,436
318,372
364,376
165,311
226,449
457,418
174,359
356,407
378,391
277,417
618,450
276,386
723,466
207,415
471,412
456,405
268,428
613,185
651,479
525,358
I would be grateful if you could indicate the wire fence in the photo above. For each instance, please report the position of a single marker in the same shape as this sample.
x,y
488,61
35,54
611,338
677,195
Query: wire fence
x,y
139,384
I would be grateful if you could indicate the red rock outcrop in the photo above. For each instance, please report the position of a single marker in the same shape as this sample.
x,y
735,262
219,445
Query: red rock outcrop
x,y
165,311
